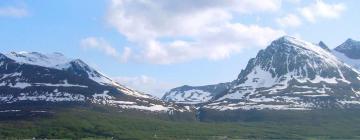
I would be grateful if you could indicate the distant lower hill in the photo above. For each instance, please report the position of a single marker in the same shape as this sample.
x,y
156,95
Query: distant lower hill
x,y
195,94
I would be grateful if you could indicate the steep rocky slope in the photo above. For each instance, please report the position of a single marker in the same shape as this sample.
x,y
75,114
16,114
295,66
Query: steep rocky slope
x,y
35,78
292,74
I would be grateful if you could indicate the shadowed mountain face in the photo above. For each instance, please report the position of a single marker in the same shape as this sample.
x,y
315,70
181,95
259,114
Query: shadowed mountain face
x,y
324,46
291,74
349,52
350,48
33,78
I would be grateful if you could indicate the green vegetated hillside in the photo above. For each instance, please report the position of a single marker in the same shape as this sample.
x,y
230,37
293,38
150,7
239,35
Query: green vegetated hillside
x,y
99,123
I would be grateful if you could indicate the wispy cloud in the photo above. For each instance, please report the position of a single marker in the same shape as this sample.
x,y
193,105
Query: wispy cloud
x,y
320,9
12,11
290,20
100,44
146,84
201,29
312,12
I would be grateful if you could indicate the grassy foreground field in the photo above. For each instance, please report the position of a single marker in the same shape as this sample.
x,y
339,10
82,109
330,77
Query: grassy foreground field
x,y
84,123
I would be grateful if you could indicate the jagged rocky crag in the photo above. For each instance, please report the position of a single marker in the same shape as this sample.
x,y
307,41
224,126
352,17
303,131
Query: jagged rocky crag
x,y
34,78
291,74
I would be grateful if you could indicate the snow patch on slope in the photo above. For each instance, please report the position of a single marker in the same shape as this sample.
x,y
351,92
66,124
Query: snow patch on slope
x,y
54,96
106,99
259,78
25,85
252,106
156,108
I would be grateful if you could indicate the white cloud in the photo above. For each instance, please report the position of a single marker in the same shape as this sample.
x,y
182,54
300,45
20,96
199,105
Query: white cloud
x,y
126,54
293,1
320,9
201,29
99,44
290,20
215,44
146,84
102,45
11,11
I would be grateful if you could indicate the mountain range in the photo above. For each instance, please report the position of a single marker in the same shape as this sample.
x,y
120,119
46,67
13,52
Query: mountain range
x,y
290,74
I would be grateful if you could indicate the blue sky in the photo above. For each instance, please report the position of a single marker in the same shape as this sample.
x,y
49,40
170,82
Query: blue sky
x,y
156,45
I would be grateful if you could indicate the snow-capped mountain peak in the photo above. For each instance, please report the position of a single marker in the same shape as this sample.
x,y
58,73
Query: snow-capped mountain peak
x,y
53,60
81,68
34,77
288,41
291,74
59,61
295,53
350,48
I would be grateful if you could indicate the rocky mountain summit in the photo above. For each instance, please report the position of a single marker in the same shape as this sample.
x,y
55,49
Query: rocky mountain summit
x,y
35,78
291,74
